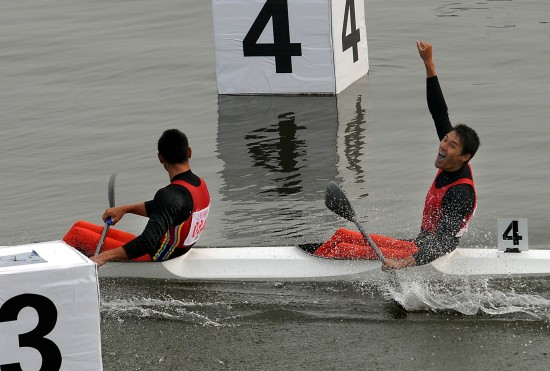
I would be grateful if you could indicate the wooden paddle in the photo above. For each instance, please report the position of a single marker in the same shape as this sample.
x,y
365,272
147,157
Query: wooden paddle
x,y
108,222
337,202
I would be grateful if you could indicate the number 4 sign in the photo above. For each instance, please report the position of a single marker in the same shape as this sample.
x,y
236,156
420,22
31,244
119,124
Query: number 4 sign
x,y
512,234
289,46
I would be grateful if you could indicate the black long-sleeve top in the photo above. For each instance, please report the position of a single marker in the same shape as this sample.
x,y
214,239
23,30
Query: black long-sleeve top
x,y
459,200
172,205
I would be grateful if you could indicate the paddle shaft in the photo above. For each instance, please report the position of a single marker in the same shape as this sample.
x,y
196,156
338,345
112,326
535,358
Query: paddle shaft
x,y
370,241
391,273
337,202
108,222
103,234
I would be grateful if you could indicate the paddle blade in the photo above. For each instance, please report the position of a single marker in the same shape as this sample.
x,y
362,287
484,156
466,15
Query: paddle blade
x,y
337,202
111,190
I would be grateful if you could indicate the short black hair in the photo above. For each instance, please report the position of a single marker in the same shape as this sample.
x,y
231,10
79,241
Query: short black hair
x,y
173,146
469,138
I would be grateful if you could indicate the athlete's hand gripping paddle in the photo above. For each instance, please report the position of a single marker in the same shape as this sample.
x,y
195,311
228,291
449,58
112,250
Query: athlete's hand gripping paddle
x,y
337,202
108,222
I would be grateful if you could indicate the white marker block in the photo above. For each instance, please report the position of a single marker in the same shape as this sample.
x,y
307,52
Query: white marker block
x,y
49,309
289,46
512,234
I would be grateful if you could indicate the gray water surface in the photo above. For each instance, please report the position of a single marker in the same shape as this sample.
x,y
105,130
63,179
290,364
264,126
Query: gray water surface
x,y
89,86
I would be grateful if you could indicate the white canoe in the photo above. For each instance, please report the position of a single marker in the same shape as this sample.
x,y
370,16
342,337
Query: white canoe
x,y
274,263
292,263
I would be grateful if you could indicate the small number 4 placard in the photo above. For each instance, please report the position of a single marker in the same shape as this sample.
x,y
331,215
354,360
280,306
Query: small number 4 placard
x,y
512,234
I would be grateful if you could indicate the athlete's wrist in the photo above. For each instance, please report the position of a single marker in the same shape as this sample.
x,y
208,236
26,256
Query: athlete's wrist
x,y
410,261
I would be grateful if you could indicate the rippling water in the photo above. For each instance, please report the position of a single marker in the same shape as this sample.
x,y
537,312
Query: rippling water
x,y
324,325
88,86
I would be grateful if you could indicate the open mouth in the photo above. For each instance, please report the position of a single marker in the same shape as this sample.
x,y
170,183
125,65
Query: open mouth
x,y
441,156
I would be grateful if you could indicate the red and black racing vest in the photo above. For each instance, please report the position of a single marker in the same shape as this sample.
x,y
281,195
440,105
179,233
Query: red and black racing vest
x,y
433,207
188,232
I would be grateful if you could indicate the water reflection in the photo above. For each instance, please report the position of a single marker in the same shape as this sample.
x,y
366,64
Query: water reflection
x,y
279,152
277,148
354,142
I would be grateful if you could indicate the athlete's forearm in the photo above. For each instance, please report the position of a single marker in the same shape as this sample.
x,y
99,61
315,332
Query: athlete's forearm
x,y
438,107
436,102
137,209
117,254
430,68
434,245
167,204
398,263
116,213
425,51
148,240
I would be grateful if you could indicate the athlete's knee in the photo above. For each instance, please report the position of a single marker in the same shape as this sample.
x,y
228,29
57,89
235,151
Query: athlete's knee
x,y
342,231
343,234
82,224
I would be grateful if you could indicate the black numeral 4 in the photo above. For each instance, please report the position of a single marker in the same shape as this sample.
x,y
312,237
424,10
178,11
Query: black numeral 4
x,y
281,48
515,237
352,39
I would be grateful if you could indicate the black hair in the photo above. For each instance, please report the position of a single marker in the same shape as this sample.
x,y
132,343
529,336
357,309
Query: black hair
x,y
173,146
469,138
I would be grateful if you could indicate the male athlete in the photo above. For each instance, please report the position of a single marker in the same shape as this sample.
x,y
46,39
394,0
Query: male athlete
x,y
450,203
177,214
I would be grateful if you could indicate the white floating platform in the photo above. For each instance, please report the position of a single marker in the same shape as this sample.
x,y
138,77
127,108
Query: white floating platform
x,y
47,291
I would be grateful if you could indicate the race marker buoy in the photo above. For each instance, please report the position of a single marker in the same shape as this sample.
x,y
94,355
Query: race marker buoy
x,y
289,46
49,309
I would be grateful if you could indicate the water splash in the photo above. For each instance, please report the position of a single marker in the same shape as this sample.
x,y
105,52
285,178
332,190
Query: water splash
x,y
470,297
159,308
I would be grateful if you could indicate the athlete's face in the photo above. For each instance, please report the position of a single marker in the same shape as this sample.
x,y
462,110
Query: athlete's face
x,y
449,156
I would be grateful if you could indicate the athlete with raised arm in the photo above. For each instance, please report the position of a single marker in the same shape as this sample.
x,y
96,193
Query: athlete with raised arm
x,y
450,203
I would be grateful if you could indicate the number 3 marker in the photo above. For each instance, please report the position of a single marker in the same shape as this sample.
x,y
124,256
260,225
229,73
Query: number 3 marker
x,y
47,318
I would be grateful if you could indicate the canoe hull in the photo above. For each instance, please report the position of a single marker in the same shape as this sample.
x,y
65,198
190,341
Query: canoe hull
x,y
291,263
491,262
288,263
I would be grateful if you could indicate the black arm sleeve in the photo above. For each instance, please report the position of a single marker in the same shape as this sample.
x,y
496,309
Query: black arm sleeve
x,y
438,107
457,204
162,212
